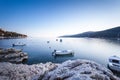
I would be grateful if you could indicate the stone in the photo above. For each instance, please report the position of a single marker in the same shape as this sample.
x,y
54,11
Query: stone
x,y
68,70
9,71
12,55
80,70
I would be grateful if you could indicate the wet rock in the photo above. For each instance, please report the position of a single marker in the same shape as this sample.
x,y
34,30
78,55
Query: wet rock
x,y
12,55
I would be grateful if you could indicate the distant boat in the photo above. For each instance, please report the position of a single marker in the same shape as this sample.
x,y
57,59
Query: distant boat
x,y
60,40
56,39
114,63
18,44
48,41
62,53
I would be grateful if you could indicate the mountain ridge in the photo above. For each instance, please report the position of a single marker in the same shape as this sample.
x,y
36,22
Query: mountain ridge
x,y
108,33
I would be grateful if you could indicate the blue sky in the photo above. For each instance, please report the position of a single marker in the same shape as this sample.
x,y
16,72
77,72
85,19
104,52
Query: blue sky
x,y
58,17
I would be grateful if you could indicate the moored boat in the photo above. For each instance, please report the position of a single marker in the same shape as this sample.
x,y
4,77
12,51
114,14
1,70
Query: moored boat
x,y
60,40
62,53
18,44
114,63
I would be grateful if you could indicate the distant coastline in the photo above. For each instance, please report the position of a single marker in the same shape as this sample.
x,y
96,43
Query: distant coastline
x,y
10,35
113,33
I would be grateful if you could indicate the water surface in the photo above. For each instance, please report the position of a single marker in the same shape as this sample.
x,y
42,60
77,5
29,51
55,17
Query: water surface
x,y
39,50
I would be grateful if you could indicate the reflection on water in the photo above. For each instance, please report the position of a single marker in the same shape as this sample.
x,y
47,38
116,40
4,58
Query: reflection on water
x,y
63,56
40,50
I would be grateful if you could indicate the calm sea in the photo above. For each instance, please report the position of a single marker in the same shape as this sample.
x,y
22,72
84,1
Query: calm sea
x,y
39,50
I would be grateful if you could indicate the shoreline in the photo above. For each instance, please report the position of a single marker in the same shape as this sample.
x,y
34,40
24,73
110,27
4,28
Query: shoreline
x,y
12,55
12,37
69,70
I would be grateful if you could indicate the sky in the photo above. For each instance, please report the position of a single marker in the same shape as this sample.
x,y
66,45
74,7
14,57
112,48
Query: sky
x,y
51,18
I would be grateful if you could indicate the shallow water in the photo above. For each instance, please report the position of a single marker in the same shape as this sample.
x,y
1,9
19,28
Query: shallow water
x,y
39,50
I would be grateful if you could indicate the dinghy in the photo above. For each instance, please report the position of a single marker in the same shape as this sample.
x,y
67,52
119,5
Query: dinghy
x,y
60,40
18,44
62,53
114,63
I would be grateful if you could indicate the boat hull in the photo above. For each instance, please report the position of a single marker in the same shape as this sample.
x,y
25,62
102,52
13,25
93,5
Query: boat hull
x,y
57,54
18,45
60,53
114,67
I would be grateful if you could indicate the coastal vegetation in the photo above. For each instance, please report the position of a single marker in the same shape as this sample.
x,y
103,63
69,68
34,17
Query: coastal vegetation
x,y
10,34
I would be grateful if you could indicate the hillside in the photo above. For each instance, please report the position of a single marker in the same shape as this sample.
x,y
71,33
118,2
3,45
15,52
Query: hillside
x,y
109,33
9,34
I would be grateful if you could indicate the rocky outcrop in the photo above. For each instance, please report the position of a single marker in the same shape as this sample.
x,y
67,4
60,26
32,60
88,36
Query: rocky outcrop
x,y
9,71
12,55
69,70
80,70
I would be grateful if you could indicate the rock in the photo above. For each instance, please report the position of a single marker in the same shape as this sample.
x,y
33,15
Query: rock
x,y
9,71
12,55
69,70
80,70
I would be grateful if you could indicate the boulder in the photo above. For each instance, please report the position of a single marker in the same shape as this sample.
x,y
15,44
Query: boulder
x,y
68,70
80,70
12,55
9,71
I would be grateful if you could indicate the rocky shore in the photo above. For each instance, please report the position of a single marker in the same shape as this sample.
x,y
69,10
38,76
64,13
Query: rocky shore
x,y
10,35
68,70
12,55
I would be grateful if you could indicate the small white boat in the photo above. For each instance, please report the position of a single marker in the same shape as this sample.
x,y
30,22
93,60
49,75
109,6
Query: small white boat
x,y
64,52
18,44
48,41
56,39
60,40
114,63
